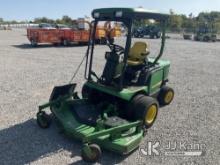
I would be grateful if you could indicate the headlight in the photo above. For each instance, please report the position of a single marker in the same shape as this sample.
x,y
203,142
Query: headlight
x,y
118,14
96,15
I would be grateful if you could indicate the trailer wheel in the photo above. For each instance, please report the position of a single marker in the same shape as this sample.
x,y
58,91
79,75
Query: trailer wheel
x,y
43,120
166,95
93,155
145,108
33,43
65,42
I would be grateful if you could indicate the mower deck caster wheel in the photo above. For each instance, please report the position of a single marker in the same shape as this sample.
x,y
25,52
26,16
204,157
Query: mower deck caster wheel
x,y
43,120
91,153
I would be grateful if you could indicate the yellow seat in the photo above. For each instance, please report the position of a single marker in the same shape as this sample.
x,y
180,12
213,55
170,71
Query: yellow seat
x,y
138,54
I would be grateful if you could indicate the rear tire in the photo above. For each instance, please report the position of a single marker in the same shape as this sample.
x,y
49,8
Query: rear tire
x,y
145,108
166,95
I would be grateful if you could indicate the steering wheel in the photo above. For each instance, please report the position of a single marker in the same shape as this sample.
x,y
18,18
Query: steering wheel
x,y
116,48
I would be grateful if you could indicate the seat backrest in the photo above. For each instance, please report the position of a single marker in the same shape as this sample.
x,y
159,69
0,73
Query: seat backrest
x,y
112,61
138,52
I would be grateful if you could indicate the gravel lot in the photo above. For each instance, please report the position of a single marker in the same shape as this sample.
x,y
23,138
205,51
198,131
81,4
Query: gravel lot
x,y
27,76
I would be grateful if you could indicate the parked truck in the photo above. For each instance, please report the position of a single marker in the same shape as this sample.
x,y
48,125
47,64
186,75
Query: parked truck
x,y
152,31
205,33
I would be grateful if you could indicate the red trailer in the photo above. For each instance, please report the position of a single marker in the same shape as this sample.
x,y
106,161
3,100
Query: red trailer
x,y
75,36
45,33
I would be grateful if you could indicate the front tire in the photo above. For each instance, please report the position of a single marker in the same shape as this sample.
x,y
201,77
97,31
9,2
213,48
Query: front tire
x,y
166,95
145,108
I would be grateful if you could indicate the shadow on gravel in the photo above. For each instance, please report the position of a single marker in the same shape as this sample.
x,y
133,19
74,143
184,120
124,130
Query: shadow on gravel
x,y
28,46
26,142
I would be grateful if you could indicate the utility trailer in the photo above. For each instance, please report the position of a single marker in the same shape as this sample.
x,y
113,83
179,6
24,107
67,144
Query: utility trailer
x,y
47,33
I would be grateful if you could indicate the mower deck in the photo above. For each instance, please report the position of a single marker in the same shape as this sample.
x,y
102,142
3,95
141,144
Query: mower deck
x,y
78,120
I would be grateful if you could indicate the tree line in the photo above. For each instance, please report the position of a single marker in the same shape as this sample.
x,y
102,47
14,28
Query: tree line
x,y
190,23
176,23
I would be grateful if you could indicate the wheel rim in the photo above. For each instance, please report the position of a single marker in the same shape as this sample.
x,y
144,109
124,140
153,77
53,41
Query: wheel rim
x,y
168,97
151,114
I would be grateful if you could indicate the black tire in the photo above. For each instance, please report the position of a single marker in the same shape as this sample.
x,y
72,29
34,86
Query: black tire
x,y
195,38
43,120
111,40
213,40
135,35
206,39
152,36
33,42
96,154
97,41
145,108
165,96
103,41
141,36
65,42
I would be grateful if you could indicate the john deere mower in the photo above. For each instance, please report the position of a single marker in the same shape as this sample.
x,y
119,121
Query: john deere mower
x,y
120,102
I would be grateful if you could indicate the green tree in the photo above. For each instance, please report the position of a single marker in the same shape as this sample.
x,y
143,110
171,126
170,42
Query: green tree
x,y
43,20
66,20
175,21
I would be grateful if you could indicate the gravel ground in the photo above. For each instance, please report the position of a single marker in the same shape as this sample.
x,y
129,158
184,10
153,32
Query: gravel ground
x,y
29,74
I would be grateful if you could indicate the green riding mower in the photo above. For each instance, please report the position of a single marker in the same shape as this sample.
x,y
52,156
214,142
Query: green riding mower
x,y
118,105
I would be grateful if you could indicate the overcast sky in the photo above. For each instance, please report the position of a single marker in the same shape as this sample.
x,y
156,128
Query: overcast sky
x,y
29,9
